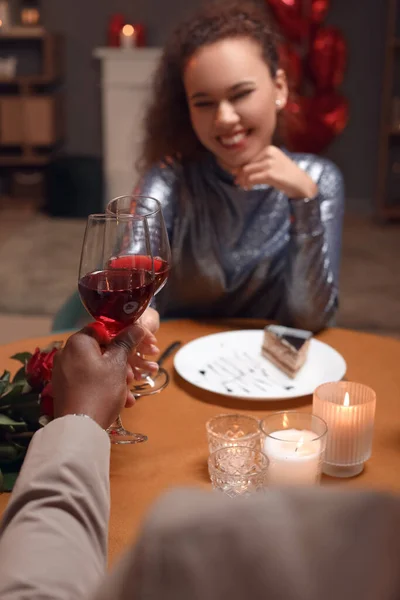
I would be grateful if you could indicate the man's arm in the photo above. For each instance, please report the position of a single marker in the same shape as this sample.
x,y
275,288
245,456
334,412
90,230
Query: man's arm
x,y
53,538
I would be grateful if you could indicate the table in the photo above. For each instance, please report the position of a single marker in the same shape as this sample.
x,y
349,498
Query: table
x,y
176,452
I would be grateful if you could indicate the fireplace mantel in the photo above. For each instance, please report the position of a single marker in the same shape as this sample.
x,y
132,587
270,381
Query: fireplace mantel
x,y
125,83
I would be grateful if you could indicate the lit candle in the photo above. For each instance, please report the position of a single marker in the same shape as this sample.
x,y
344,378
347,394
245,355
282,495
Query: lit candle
x,y
295,454
128,37
349,411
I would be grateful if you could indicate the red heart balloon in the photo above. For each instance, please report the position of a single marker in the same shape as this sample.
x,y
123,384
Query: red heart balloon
x,y
290,62
296,16
328,59
294,24
314,122
319,10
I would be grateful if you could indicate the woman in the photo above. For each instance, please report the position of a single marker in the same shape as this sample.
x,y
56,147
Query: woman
x,y
255,230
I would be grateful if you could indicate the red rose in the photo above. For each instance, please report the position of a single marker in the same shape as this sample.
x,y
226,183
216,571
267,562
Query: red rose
x,y
46,401
39,367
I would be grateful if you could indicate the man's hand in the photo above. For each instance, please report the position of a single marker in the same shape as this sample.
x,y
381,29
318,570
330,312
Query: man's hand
x,y
273,167
92,381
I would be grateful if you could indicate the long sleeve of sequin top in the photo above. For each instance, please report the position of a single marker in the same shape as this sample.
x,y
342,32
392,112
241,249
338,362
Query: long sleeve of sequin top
x,y
312,271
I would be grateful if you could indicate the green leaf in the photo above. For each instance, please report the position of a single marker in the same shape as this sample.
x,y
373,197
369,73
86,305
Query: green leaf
x,y
8,421
4,382
9,480
16,399
9,452
3,387
6,376
22,357
14,392
20,375
29,412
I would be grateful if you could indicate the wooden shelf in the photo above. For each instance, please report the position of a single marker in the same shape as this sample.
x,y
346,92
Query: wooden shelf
x,y
34,160
26,33
28,80
31,108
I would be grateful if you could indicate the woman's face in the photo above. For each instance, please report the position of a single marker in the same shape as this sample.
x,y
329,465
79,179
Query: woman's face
x,y
233,99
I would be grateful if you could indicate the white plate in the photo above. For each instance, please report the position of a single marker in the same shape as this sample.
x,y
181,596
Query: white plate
x,y
231,363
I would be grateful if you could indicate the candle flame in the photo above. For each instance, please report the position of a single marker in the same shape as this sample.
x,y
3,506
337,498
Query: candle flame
x,y
299,443
128,30
346,401
285,421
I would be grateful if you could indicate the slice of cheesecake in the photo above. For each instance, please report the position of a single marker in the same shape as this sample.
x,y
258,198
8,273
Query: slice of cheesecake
x,y
286,348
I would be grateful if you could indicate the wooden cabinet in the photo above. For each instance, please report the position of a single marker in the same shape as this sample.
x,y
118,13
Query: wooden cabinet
x,y
30,120
11,124
41,115
31,103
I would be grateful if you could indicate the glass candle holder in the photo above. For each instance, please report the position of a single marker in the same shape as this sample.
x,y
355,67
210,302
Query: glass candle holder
x,y
238,471
233,430
349,411
294,443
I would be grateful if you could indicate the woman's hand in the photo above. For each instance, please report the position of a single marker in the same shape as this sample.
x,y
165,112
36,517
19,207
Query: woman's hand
x,y
150,320
88,379
273,167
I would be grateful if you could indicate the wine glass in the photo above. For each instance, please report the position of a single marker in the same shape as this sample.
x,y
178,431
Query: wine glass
x,y
150,209
116,289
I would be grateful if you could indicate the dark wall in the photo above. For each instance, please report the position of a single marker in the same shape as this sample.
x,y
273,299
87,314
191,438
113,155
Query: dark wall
x,y
84,24
356,150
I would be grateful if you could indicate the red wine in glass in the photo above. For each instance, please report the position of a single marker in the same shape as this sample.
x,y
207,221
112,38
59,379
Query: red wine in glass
x,y
150,209
137,262
117,297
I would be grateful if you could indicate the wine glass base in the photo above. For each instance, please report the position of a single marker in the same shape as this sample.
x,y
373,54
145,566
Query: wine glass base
x,y
119,435
151,385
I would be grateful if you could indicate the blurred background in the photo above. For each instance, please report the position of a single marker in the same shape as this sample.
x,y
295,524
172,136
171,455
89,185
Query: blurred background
x,y
71,101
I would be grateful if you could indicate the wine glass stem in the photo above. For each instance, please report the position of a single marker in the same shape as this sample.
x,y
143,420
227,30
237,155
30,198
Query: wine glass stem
x,y
117,424
119,435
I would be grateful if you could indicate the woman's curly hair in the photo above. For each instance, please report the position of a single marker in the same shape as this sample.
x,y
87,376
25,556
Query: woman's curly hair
x,y
168,129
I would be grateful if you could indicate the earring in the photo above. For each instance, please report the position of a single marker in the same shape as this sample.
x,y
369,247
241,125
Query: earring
x,y
278,103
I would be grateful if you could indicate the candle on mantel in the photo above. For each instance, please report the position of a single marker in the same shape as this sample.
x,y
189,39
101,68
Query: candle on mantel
x,y
294,443
349,411
128,37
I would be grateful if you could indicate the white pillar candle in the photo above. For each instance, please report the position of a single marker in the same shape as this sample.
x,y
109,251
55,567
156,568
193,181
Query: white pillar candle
x,y
294,457
294,444
349,411
128,37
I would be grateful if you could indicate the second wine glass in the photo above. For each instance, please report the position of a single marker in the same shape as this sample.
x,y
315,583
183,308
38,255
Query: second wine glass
x,y
146,207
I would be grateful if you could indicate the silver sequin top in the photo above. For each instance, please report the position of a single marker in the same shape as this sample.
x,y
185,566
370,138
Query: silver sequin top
x,y
238,253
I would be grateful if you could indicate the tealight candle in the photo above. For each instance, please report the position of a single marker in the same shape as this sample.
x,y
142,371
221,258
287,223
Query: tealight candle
x,y
349,411
128,37
294,444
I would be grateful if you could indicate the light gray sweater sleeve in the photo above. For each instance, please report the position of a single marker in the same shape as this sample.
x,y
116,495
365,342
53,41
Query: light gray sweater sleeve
x,y
53,537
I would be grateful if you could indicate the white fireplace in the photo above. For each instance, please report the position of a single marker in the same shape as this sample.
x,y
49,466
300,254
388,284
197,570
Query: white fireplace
x,y
125,83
